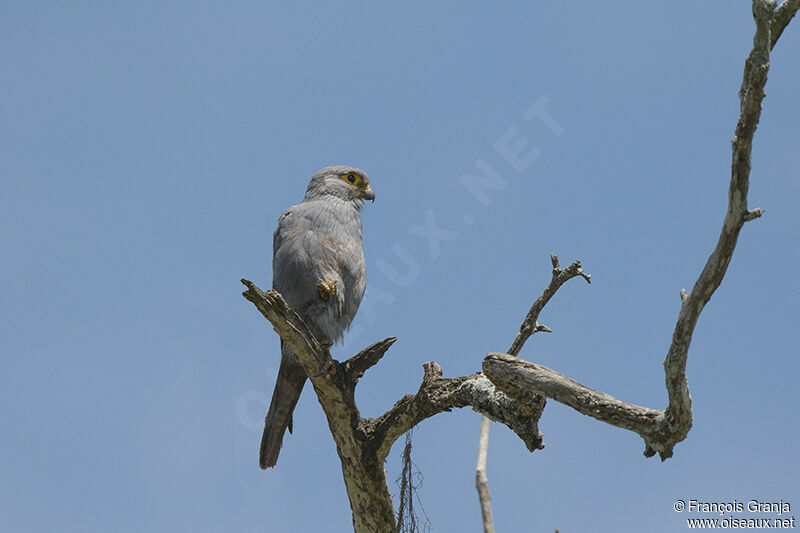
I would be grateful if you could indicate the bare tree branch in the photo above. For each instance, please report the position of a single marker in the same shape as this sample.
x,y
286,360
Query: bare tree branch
x,y
531,325
662,430
437,394
514,376
679,411
782,16
364,476
481,481
364,443
290,327
366,359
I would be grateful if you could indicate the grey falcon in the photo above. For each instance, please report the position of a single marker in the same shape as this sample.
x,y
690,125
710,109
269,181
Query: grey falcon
x,y
318,266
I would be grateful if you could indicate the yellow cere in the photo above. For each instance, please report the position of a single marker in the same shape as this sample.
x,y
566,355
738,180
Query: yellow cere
x,y
352,179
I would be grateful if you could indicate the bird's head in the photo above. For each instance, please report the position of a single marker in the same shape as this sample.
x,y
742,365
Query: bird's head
x,y
346,183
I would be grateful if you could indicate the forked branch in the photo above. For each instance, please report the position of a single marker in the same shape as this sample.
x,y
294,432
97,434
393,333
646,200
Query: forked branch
x,y
662,430
437,394
364,443
531,323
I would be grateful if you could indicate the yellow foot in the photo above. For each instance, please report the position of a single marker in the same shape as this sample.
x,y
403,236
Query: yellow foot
x,y
326,288
325,343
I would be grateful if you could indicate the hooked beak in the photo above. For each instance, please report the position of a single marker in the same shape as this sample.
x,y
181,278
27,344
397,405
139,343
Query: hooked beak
x,y
368,194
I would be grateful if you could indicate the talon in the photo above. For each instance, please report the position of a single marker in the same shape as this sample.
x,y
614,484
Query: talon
x,y
326,288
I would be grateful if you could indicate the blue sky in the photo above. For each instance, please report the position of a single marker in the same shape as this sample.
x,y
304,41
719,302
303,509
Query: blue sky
x,y
147,150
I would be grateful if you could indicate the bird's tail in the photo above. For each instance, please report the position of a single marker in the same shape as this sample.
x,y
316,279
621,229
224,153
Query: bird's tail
x,y
288,386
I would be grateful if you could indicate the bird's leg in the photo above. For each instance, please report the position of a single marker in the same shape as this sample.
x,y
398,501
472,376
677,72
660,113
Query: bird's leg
x,y
326,288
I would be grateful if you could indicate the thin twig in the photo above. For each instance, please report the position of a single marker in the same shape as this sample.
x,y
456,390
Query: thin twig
x,y
531,325
481,481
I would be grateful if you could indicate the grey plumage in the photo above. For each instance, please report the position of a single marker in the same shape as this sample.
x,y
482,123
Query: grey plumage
x,y
318,266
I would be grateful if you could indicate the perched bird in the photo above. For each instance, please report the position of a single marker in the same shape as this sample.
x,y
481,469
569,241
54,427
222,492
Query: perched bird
x,y
318,266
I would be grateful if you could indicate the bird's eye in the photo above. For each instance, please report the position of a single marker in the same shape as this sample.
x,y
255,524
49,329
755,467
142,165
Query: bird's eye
x,y
351,178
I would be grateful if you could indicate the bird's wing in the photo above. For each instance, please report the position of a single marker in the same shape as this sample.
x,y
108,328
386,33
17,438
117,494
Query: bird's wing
x,y
306,249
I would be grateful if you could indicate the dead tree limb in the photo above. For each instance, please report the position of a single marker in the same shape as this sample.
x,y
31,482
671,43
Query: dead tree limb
x,y
437,394
364,443
782,16
662,430
364,476
481,481
530,325
517,376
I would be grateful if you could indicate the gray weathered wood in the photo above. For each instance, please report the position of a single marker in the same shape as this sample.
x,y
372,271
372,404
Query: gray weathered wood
x,y
364,443
662,430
